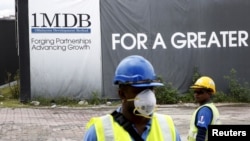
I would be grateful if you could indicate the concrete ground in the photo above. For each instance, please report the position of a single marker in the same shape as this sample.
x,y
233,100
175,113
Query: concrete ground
x,y
67,124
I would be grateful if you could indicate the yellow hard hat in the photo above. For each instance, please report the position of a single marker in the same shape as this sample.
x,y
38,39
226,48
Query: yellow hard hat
x,y
204,82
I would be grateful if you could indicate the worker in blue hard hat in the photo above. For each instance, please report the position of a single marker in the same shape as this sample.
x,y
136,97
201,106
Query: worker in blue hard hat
x,y
136,119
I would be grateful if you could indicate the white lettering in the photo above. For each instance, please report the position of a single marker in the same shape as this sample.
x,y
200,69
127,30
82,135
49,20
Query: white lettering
x,y
213,40
129,41
203,40
216,132
181,43
242,38
114,41
133,41
141,40
232,39
224,38
159,42
179,40
191,39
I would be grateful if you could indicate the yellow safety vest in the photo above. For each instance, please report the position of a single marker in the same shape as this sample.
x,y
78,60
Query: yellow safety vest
x,y
193,130
107,129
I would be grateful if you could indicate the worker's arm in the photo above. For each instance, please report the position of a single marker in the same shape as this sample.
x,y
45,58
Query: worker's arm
x,y
203,119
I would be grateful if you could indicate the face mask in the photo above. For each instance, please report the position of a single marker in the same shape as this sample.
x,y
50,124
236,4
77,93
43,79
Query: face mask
x,y
145,103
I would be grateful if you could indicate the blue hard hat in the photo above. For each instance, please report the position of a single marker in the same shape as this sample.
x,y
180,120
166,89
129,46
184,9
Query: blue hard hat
x,y
136,71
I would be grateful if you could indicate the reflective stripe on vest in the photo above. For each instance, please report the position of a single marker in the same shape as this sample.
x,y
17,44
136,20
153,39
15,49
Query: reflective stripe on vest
x,y
108,130
162,129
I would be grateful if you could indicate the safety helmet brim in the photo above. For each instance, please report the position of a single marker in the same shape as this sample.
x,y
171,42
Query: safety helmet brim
x,y
153,84
201,87
197,87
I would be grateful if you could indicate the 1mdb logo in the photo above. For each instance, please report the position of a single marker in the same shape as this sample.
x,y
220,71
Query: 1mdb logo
x,y
61,20
60,23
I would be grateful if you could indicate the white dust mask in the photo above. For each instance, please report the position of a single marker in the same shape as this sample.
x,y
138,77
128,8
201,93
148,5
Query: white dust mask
x,y
145,103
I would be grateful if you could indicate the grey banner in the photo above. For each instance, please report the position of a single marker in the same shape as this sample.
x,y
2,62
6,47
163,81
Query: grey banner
x,y
177,37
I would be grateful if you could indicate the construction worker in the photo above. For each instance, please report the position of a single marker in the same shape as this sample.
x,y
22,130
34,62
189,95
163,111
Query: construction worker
x,y
206,113
136,119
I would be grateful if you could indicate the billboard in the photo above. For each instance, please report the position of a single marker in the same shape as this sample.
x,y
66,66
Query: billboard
x,y
178,37
64,48
75,46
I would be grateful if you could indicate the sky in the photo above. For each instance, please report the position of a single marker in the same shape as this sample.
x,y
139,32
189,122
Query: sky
x,y
7,7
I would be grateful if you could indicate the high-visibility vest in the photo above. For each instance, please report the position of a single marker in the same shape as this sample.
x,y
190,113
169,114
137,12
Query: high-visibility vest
x,y
193,130
107,129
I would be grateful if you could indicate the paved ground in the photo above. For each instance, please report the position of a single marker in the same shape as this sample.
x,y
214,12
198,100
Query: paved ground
x,y
67,124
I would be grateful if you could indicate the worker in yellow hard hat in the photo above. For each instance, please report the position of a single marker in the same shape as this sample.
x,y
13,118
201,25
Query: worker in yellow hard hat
x,y
207,113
